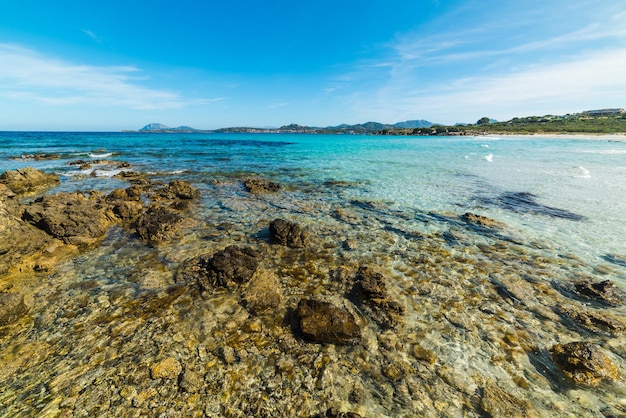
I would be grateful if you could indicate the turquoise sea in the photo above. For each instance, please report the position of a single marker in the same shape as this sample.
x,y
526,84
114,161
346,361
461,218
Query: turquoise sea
x,y
483,306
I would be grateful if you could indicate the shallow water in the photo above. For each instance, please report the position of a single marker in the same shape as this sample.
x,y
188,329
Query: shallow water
x,y
483,305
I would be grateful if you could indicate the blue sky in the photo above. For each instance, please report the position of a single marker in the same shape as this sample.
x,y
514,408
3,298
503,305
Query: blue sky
x,y
112,65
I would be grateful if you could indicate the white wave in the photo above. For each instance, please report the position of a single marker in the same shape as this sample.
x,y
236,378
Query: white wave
x,y
489,158
106,173
484,145
582,172
105,155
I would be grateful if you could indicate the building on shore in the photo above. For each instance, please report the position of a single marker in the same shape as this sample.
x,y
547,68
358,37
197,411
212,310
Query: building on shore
x,y
604,112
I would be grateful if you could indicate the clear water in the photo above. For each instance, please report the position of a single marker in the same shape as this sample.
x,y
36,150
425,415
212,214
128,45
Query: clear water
x,y
562,201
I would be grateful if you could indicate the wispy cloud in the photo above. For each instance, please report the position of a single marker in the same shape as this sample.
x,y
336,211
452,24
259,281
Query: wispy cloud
x,y
29,75
92,35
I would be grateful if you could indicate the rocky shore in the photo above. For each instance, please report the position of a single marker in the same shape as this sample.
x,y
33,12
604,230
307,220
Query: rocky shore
x,y
144,301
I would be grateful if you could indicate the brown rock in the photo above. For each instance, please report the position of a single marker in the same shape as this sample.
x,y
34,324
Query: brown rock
x,y
604,292
263,292
336,413
480,220
231,266
178,189
157,224
326,323
258,185
371,289
583,362
288,233
12,308
28,180
169,368
71,217
497,403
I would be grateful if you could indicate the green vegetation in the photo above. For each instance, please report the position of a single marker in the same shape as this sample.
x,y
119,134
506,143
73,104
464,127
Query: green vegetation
x,y
574,123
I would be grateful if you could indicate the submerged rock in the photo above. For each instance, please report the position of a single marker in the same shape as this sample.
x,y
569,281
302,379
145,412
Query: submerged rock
x,y
497,403
583,362
12,307
592,320
258,185
605,291
233,265
73,218
157,224
371,290
288,233
480,220
28,180
169,368
335,413
263,292
325,323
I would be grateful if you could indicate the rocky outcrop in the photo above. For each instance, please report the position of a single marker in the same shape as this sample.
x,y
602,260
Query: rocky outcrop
x,y
288,233
178,189
12,308
371,290
126,203
258,185
604,292
73,218
263,292
28,180
325,323
157,224
583,362
227,268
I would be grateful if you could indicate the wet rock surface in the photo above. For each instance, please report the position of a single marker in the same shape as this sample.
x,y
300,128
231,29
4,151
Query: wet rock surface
x,y
481,221
287,233
28,180
158,224
258,185
178,189
74,218
336,413
263,292
325,323
231,266
371,290
603,292
583,363
495,402
12,307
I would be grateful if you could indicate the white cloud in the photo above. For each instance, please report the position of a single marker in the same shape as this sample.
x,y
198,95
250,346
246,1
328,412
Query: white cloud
x,y
31,76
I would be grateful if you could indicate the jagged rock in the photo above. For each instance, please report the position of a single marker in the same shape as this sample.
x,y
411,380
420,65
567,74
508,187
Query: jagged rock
x,y
480,220
71,217
371,290
325,323
178,189
12,307
130,194
497,403
605,291
233,265
126,203
157,224
28,180
263,292
288,233
583,362
258,185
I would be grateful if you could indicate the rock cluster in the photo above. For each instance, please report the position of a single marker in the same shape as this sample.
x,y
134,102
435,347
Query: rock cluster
x,y
258,185
157,224
28,180
604,292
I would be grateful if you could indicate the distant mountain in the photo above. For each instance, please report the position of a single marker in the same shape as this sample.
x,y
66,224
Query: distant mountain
x,y
155,127
158,127
412,124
